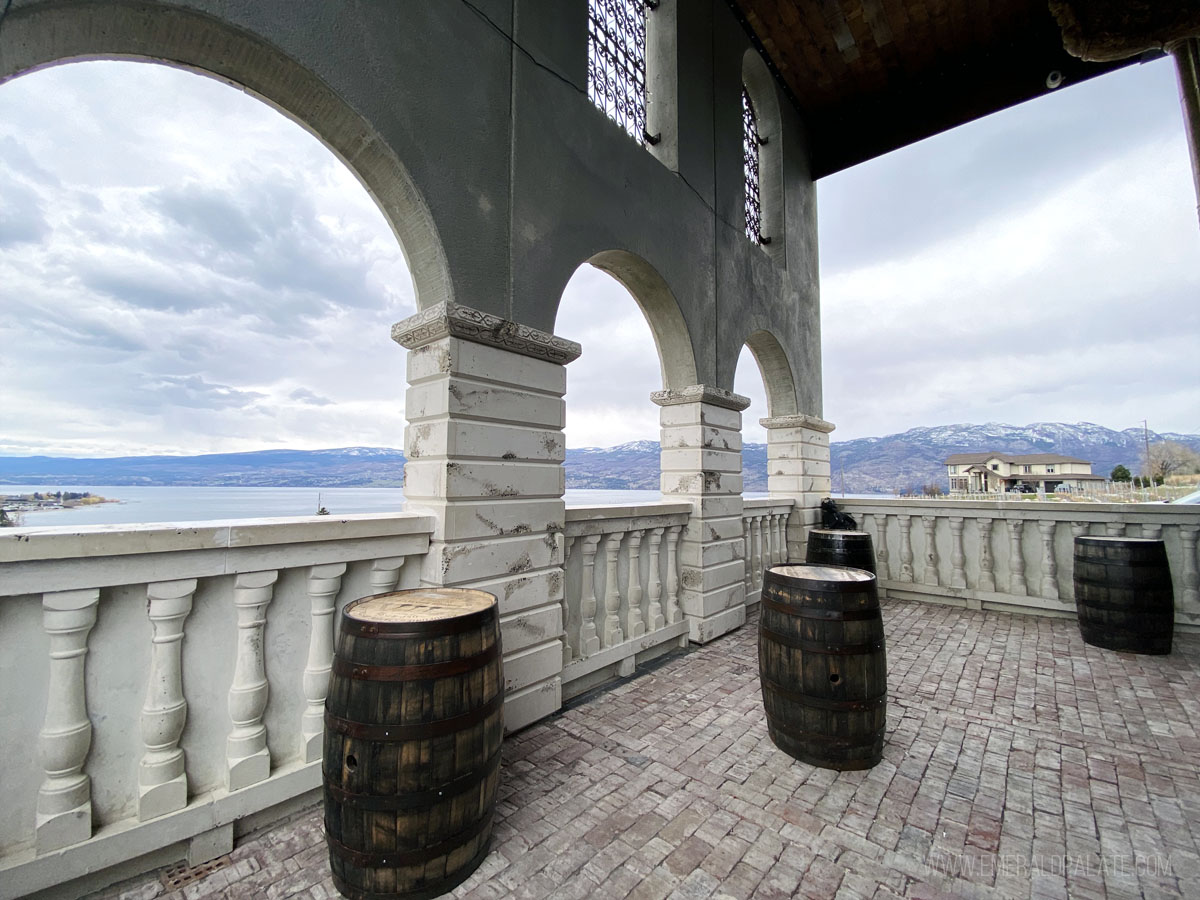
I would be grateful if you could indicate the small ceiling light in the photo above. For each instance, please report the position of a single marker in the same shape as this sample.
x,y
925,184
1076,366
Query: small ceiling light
x,y
1054,79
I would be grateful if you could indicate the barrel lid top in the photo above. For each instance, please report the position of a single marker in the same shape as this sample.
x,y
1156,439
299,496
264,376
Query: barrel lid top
x,y
1091,538
823,573
839,531
420,605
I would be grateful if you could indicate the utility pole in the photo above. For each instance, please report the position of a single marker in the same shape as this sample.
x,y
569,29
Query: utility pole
x,y
1146,435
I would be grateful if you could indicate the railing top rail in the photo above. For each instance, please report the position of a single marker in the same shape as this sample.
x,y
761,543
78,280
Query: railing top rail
x,y
68,541
757,504
1165,513
596,512
584,520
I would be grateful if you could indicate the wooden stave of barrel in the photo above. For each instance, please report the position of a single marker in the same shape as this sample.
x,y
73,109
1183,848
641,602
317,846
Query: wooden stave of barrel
x,y
411,763
838,547
1124,598
811,629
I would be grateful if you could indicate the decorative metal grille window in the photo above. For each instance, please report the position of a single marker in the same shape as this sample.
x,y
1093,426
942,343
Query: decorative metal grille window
x,y
750,145
617,62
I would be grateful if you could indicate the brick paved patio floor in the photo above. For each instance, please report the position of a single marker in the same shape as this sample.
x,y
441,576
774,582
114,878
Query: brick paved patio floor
x,y
1019,762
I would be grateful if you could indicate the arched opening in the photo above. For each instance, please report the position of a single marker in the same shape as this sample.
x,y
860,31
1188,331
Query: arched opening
x,y
764,375
635,342
190,273
45,36
758,90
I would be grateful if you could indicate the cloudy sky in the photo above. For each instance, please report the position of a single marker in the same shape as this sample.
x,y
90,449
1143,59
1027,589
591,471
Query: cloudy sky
x,y
184,270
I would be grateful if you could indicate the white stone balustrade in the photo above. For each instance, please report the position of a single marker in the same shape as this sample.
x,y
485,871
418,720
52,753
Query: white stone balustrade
x,y
64,801
324,583
764,536
1026,563
169,679
162,779
622,608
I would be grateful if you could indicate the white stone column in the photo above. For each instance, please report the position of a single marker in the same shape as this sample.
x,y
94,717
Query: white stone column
x,y
247,757
702,464
1016,558
882,564
64,803
930,574
798,467
162,779
958,556
987,562
385,574
635,619
1189,577
324,583
654,611
589,637
906,552
1049,561
485,449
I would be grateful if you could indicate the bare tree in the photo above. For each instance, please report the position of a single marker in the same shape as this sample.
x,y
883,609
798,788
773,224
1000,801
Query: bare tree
x,y
1169,457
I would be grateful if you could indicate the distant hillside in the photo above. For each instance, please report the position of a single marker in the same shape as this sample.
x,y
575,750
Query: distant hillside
x,y
345,467
916,457
876,464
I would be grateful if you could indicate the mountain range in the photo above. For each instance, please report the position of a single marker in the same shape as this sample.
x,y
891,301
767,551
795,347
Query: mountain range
x,y
864,465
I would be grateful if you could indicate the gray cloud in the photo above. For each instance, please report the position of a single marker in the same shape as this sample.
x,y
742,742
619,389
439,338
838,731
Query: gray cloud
x,y
193,392
21,217
304,395
177,287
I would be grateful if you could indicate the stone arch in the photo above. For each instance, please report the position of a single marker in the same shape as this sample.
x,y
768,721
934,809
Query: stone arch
x,y
672,338
759,84
776,372
41,36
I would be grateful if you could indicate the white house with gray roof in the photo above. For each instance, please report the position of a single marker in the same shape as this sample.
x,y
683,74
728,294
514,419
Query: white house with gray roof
x,y
992,472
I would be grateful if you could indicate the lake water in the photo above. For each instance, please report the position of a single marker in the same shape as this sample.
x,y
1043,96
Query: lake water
x,y
197,504
138,504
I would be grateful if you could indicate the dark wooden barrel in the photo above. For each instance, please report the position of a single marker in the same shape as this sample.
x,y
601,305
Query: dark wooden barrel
x,y
822,665
1123,593
413,726
828,547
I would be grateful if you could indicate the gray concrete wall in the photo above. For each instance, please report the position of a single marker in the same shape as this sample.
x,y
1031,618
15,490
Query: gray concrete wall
x,y
471,126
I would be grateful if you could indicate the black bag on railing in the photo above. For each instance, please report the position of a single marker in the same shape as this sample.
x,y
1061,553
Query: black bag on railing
x,y
834,518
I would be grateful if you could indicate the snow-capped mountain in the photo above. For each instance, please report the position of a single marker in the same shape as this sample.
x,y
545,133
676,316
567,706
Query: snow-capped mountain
x,y
883,464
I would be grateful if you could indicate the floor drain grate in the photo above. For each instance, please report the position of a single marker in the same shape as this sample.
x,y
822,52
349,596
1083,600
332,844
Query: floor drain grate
x,y
182,874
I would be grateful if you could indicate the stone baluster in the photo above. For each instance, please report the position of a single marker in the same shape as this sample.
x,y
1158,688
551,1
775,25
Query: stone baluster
x,y
987,563
635,619
385,574
246,753
162,777
611,633
1049,561
1152,531
906,553
747,554
1115,529
866,524
569,649
881,549
757,549
780,555
324,584
64,803
589,639
654,611
1016,558
1079,529
930,575
958,556
1189,576
674,612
